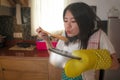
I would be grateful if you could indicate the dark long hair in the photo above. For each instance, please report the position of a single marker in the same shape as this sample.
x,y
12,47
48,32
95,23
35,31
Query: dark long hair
x,y
86,20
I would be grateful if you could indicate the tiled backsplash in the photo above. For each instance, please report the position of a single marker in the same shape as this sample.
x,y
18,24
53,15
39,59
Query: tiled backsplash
x,y
6,10
8,25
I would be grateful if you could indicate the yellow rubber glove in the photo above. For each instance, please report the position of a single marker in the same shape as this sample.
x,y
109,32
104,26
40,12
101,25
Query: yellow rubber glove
x,y
90,59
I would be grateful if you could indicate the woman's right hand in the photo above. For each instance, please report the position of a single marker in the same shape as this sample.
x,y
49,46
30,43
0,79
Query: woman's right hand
x,y
41,33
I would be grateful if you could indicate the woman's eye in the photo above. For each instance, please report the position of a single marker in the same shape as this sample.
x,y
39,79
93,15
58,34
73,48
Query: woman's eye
x,y
73,21
65,21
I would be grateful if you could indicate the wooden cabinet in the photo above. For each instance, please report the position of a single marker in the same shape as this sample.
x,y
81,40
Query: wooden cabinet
x,y
1,76
28,68
54,73
24,68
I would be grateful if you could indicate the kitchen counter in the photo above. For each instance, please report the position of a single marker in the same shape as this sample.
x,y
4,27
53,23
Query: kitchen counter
x,y
26,64
22,53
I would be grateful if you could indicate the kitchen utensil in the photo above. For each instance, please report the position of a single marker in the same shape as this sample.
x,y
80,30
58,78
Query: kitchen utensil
x,y
56,36
63,53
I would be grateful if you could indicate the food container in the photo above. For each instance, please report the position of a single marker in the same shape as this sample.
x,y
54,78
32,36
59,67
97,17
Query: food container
x,y
41,45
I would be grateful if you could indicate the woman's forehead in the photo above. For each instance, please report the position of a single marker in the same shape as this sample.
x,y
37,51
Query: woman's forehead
x,y
69,14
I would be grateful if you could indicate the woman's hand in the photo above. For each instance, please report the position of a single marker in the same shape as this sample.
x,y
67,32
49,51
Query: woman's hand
x,y
41,33
115,62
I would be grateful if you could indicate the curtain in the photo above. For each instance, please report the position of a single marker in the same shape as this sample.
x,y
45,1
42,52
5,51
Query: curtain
x,y
47,14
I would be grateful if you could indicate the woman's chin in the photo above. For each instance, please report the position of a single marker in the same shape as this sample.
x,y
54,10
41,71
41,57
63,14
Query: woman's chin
x,y
70,35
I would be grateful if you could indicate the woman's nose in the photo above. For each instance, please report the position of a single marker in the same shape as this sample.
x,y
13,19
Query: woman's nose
x,y
68,25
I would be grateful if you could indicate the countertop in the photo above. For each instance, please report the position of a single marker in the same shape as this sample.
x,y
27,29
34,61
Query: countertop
x,y
4,51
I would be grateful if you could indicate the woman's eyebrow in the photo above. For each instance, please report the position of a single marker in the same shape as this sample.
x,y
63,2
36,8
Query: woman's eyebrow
x,y
70,18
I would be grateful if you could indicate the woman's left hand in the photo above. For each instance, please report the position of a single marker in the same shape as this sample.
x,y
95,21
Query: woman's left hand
x,y
115,62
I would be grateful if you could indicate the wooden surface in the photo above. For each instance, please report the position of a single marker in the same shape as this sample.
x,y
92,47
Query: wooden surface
x,y
23,53
13,68
26,65
27,68
54,73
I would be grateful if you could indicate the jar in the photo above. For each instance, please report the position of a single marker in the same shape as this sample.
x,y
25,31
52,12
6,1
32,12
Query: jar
x,y
113,13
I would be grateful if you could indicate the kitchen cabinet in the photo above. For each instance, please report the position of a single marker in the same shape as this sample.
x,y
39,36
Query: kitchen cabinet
x,y
23,68
27,68
54,73
26,65
1,78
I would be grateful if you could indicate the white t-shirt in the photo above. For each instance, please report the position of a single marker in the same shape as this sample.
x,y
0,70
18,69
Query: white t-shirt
x,y
59,61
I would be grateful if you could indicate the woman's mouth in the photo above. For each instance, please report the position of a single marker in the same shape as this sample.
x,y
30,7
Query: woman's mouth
x,y
68,32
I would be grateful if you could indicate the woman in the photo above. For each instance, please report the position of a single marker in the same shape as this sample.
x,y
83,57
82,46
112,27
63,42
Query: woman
x,y
83,33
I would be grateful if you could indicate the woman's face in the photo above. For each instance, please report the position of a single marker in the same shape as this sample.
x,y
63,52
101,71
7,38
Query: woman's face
x,y
70,24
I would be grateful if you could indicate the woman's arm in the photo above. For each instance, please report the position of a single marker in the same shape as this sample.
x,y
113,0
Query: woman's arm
x,y
105,43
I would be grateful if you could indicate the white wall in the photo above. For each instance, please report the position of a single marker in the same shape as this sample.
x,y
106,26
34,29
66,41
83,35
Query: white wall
x,y
103,6
90,2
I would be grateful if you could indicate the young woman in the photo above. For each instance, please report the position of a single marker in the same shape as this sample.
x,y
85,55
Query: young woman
x,y
83,33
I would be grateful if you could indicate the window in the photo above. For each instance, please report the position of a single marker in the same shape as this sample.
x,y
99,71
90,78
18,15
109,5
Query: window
x,y
47,14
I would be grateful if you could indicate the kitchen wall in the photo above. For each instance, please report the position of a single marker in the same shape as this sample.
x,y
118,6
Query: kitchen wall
x,y
8,24
102,12
103,6
6,21
5,10
5,3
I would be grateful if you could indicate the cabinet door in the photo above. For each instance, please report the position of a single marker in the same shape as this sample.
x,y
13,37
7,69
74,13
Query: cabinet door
x,y
1,74
17,75
24,68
